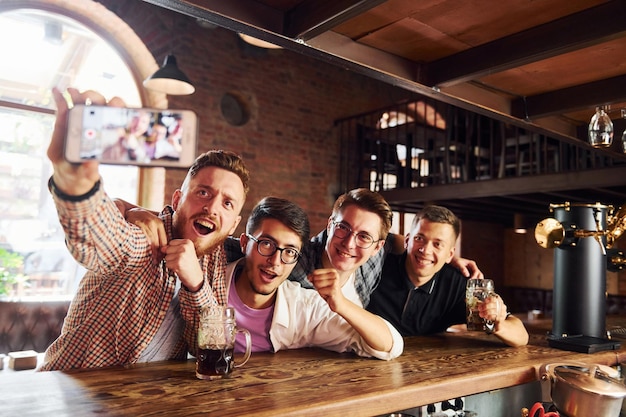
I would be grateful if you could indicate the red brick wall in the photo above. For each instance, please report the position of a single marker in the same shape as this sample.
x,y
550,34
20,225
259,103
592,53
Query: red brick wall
x,y
289,143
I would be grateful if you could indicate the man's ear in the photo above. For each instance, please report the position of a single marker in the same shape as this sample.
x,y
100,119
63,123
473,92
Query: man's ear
x,y
329,224
243,241
378,246
452,252
237,220
176,198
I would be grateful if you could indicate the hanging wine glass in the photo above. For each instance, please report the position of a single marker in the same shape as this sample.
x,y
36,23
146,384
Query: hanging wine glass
x,y
600,129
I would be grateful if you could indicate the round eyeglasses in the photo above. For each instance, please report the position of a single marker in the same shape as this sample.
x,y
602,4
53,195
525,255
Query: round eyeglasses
x,y
363,239
267,247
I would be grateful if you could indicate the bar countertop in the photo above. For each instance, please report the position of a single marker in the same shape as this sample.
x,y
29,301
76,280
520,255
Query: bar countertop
x,y
304,382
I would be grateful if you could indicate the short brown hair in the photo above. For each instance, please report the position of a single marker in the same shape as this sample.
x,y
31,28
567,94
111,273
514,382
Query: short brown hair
x,y
370,201
227,160
438,214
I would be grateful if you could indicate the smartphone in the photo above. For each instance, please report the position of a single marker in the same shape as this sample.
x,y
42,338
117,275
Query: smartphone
x,y
132,136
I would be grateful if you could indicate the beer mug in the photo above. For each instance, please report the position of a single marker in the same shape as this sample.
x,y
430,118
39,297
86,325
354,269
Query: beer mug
x,y
216,343
477,291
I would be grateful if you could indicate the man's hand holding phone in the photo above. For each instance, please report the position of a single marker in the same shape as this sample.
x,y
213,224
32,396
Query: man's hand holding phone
x,y
131,136
73,179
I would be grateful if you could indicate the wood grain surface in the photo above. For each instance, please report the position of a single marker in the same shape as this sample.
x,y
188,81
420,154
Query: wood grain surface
x,y
304,382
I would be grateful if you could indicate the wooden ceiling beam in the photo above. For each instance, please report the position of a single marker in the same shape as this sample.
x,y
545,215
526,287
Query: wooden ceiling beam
x,y
314,17
535,44
597,93
266,23
303,22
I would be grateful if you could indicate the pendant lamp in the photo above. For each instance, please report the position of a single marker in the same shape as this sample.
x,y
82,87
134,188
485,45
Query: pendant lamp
x,y
169,79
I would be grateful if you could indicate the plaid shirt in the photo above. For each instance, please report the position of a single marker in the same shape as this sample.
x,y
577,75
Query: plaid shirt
x,y
367,275
122,299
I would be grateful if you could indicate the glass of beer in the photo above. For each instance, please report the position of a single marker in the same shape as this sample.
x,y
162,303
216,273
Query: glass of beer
x,y
477,291
216,343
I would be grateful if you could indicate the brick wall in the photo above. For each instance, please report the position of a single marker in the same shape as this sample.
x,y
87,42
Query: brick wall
x,y
289,143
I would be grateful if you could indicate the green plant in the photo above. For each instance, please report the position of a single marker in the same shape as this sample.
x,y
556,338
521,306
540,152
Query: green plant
x,y
10,270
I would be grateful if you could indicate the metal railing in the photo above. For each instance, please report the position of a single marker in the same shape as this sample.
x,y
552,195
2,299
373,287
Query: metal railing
x,y
426,142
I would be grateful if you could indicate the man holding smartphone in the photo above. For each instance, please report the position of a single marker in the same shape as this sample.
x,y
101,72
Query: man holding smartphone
x,y
129,308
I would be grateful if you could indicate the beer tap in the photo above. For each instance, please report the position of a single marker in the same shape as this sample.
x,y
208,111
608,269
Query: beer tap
x,y
599,232
616,225
616,261
580,272
550,234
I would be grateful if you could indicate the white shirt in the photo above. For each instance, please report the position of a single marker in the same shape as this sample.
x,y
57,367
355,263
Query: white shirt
x,y
349,291
303,319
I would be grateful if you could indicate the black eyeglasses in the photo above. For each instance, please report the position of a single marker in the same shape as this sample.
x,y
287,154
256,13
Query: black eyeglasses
x,y
363,239
267,247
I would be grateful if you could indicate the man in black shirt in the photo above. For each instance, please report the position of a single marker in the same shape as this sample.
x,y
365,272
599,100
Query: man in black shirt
x,y
420,294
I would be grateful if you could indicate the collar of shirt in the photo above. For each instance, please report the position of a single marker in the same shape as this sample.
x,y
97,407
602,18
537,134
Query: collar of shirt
x,y
427,288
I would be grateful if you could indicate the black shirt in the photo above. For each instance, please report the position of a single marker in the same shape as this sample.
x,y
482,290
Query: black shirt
x,y
414,311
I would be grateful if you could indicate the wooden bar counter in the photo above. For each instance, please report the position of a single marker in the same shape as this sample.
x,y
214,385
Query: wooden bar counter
x,y
305,382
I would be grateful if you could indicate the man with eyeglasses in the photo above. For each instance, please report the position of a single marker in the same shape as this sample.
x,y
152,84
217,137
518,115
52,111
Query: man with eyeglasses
x,y
356,242
280,314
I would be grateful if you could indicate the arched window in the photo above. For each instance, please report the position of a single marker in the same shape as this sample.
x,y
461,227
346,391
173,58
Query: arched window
x,y
49,48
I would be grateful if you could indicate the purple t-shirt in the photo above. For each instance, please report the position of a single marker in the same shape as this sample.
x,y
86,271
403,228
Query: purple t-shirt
x,y
257,322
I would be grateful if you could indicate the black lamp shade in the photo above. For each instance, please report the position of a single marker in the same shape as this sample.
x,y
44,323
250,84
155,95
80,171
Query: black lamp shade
x,y
169,79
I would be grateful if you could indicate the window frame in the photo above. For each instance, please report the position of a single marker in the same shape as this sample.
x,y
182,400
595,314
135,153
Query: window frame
x,y
132,51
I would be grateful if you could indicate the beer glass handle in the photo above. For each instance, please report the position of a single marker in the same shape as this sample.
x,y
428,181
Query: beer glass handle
x,y
246,355
489,322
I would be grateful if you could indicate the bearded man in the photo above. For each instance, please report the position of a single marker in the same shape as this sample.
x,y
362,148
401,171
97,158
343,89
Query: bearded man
x,y
132,306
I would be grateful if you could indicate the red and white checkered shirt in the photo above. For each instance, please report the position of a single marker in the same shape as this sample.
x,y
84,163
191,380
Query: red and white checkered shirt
x,y
122,299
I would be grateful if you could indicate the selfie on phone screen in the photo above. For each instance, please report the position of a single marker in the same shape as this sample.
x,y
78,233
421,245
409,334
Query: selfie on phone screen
x,y
132,136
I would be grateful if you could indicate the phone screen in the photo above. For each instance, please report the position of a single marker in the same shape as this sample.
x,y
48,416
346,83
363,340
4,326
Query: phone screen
x,y
132,136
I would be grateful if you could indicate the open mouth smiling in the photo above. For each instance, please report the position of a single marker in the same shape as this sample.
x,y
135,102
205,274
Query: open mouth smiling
x,y
203,228
343,254
424,261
